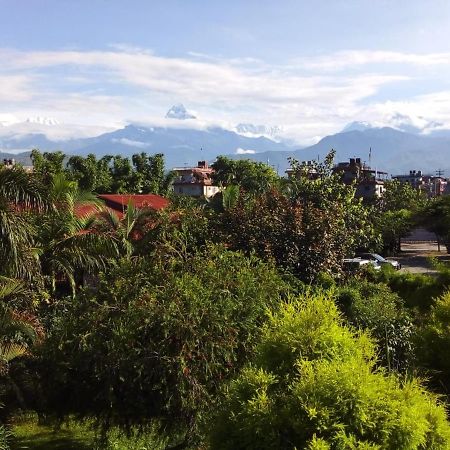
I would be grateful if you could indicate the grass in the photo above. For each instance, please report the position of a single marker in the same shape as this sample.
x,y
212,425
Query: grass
x,y
30,435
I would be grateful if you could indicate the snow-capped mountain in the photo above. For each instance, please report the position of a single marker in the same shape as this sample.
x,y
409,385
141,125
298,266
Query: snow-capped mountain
x,y
251,130
42,121
179,112
400,122
356,126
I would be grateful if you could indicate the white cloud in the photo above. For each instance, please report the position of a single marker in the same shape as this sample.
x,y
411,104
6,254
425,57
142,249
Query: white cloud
x,y
131,143
354,58
310,97
243,151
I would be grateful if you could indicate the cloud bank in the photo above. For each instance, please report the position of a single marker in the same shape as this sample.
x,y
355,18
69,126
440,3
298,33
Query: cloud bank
x,y
310,96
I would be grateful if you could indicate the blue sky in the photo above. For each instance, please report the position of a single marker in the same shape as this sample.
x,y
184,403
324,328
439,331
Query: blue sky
x,y
308,66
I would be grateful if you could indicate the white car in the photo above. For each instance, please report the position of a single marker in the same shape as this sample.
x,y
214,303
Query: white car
x,y
379,260
358,263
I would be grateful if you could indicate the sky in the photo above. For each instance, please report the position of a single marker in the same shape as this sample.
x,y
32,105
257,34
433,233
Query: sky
x,y
308,66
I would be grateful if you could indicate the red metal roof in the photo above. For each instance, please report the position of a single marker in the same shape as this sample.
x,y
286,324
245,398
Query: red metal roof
x,y
119,202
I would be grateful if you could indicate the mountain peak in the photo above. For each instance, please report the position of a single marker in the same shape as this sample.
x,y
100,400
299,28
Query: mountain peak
x,y
357,126
178,111
42,120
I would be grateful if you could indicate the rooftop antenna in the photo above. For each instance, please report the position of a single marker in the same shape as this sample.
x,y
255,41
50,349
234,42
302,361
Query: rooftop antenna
x,y
370,156
440,172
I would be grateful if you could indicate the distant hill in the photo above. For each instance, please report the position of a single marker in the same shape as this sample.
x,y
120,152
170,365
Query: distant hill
x,y
180,145
393,151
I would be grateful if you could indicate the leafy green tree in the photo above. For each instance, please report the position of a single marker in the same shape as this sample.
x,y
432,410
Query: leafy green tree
x,y
47,164
313,384
253,177
157,339
297,234
129,230
436,218
92,175
149,174
122,175
315,183
396,212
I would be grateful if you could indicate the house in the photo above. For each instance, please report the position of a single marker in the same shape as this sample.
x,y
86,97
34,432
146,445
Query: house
x,y
432,186
306,169
369,182
195,181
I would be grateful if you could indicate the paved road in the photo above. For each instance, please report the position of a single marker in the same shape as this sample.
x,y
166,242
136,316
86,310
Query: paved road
x,y
415,256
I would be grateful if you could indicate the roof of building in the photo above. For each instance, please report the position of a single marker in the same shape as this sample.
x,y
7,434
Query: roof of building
x,y
119,202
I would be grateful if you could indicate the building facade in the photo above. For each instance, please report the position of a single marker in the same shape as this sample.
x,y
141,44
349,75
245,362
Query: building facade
x,y
195,181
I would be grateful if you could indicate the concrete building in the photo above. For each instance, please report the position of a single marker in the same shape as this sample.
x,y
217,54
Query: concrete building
x,y
195,181
306,169
432,186
369,182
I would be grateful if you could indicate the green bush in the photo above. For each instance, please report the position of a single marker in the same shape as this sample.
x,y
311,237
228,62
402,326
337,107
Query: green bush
x,y
417,290
314,384
157,338
434,343
374,307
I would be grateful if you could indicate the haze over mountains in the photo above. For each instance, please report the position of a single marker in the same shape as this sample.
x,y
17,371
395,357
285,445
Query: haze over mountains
x,y
185,140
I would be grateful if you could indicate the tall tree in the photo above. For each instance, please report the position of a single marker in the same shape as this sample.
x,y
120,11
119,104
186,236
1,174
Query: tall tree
x,y
253,177
19,193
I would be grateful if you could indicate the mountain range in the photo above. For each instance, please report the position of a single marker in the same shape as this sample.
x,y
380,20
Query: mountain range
x,y
184,141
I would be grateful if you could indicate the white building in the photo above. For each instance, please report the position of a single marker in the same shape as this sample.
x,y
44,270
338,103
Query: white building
x,y
195,181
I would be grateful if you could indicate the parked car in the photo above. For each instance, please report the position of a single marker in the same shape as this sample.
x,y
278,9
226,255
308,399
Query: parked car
x,y
379,260
354,264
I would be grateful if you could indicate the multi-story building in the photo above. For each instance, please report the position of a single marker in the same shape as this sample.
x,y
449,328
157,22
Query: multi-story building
x,y
432,186
195,181
369,182
305,169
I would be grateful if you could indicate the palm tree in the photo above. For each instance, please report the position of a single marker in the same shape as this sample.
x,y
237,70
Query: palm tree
x,y
18,329
69,245
19,193
129,230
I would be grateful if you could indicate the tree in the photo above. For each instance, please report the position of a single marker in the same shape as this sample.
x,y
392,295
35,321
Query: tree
x,y
436,218
47,164
157,339
19,193
396,213
253,177
295,233
129,230
149,174
69,246
313,385
92,175
374,307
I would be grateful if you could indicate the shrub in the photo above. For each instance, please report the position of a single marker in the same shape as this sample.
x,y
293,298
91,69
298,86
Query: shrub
x,y
434,343
313,384
374,307
158,338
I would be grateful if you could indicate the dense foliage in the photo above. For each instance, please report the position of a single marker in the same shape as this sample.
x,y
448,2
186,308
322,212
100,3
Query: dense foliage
x,y
183,325
313,384
158,337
